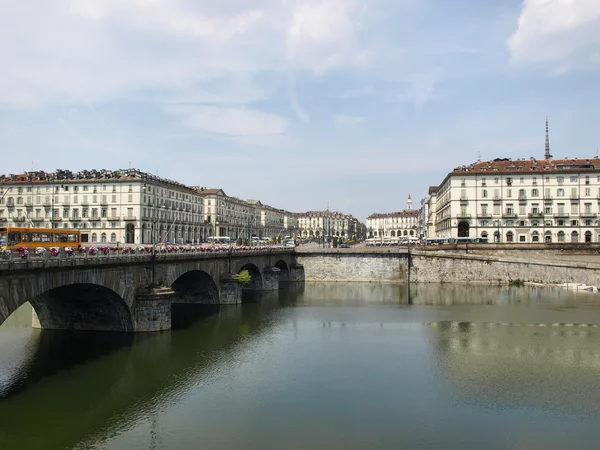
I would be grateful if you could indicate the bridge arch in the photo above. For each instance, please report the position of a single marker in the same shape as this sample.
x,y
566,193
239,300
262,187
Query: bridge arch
x,y
284,271
255,274
195,286
82,306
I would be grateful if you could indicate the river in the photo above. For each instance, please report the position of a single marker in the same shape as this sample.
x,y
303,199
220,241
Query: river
x,y
321,366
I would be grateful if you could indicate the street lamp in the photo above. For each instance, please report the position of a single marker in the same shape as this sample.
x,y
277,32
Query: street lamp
x,y
498,231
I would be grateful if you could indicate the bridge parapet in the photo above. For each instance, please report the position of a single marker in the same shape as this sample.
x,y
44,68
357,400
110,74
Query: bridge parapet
x,y
31,260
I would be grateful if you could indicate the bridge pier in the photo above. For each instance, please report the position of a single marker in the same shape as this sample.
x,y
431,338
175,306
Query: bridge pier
x,y
297,272
152,310
271,279
231,289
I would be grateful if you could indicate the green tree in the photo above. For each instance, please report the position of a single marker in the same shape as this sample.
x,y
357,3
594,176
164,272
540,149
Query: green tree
x,y
244,278
335,241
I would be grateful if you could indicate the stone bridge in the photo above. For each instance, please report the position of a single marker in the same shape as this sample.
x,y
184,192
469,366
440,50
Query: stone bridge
x,y
134,293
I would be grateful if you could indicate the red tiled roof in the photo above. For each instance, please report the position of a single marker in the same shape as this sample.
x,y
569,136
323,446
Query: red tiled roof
x,y
405,213
532,165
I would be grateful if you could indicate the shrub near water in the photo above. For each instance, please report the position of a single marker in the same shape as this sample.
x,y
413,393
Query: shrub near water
x,y
244,277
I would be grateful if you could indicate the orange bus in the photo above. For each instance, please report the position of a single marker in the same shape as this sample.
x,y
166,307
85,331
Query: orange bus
x,y
12,237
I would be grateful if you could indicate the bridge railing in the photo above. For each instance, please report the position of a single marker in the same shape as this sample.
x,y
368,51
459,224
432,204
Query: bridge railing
x,y
106,252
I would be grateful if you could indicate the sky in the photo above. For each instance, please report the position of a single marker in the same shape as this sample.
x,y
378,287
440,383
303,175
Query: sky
x,y
303,104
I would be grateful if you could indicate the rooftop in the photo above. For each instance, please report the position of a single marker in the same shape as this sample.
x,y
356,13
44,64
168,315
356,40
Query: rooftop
x,y
531,165
405,213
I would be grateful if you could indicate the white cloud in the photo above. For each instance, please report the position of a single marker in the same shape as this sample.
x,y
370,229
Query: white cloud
x,y
98,51
323,35
229,122
355,93
344,119
553,30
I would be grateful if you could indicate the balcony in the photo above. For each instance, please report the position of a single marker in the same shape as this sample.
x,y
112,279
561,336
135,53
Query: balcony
x,y
463,216
113,218
46,203
29,204
548,198
574,197
509,214
19,219
561,214
535,215
485,215
38,219
129,218
56,219
497,197
74,219
464,198
589,215
104,202
94,218
522,198
3,219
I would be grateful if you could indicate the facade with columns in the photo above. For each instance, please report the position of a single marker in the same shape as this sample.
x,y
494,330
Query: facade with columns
x,y
401,224
520,200
330,224
122,206
134,207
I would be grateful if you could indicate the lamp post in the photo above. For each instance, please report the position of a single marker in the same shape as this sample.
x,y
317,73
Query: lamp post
x,y
498,231
154,234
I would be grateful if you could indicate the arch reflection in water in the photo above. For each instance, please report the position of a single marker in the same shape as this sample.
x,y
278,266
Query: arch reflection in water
x,y
104,387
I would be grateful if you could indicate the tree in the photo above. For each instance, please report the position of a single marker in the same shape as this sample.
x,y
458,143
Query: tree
x,y
335,241
244,278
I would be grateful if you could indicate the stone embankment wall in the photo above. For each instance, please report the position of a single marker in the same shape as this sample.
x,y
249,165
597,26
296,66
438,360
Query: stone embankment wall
x,y
337,266
456,268
442,267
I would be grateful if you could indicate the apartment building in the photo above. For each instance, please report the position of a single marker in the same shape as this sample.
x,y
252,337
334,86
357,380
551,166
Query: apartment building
x,y
407,223
522,200
122,206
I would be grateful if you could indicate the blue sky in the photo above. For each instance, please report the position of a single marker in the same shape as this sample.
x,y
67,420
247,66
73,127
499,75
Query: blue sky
x,y
299,103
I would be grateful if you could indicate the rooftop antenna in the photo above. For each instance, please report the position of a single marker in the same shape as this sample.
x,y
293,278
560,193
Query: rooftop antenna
x,y
478,156
547,154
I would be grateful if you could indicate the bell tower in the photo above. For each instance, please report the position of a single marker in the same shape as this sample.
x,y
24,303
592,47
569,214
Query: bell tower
x,y
409,202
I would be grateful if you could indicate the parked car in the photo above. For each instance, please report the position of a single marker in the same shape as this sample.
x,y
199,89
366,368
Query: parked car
x,y
344,246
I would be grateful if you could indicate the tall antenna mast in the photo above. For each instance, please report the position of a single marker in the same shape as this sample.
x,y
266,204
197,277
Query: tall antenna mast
x,y
547,154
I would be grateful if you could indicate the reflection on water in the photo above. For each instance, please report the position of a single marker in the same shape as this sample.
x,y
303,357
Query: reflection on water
x,y
318,366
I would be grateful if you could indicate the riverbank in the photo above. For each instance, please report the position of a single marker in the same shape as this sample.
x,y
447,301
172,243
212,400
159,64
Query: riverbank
x,y
415,265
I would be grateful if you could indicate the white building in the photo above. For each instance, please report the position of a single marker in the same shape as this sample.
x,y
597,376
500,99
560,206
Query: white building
x,y
330,224
399,224
237,218
522,200
122,206
225,215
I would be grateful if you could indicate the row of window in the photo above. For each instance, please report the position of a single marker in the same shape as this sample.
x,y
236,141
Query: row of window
x,y
560,192
559,179
535,223
537,237
535,209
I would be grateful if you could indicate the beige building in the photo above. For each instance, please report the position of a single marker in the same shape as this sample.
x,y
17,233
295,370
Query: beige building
x,y
395,225
521,200
122,206
316,224
504,200
237,218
